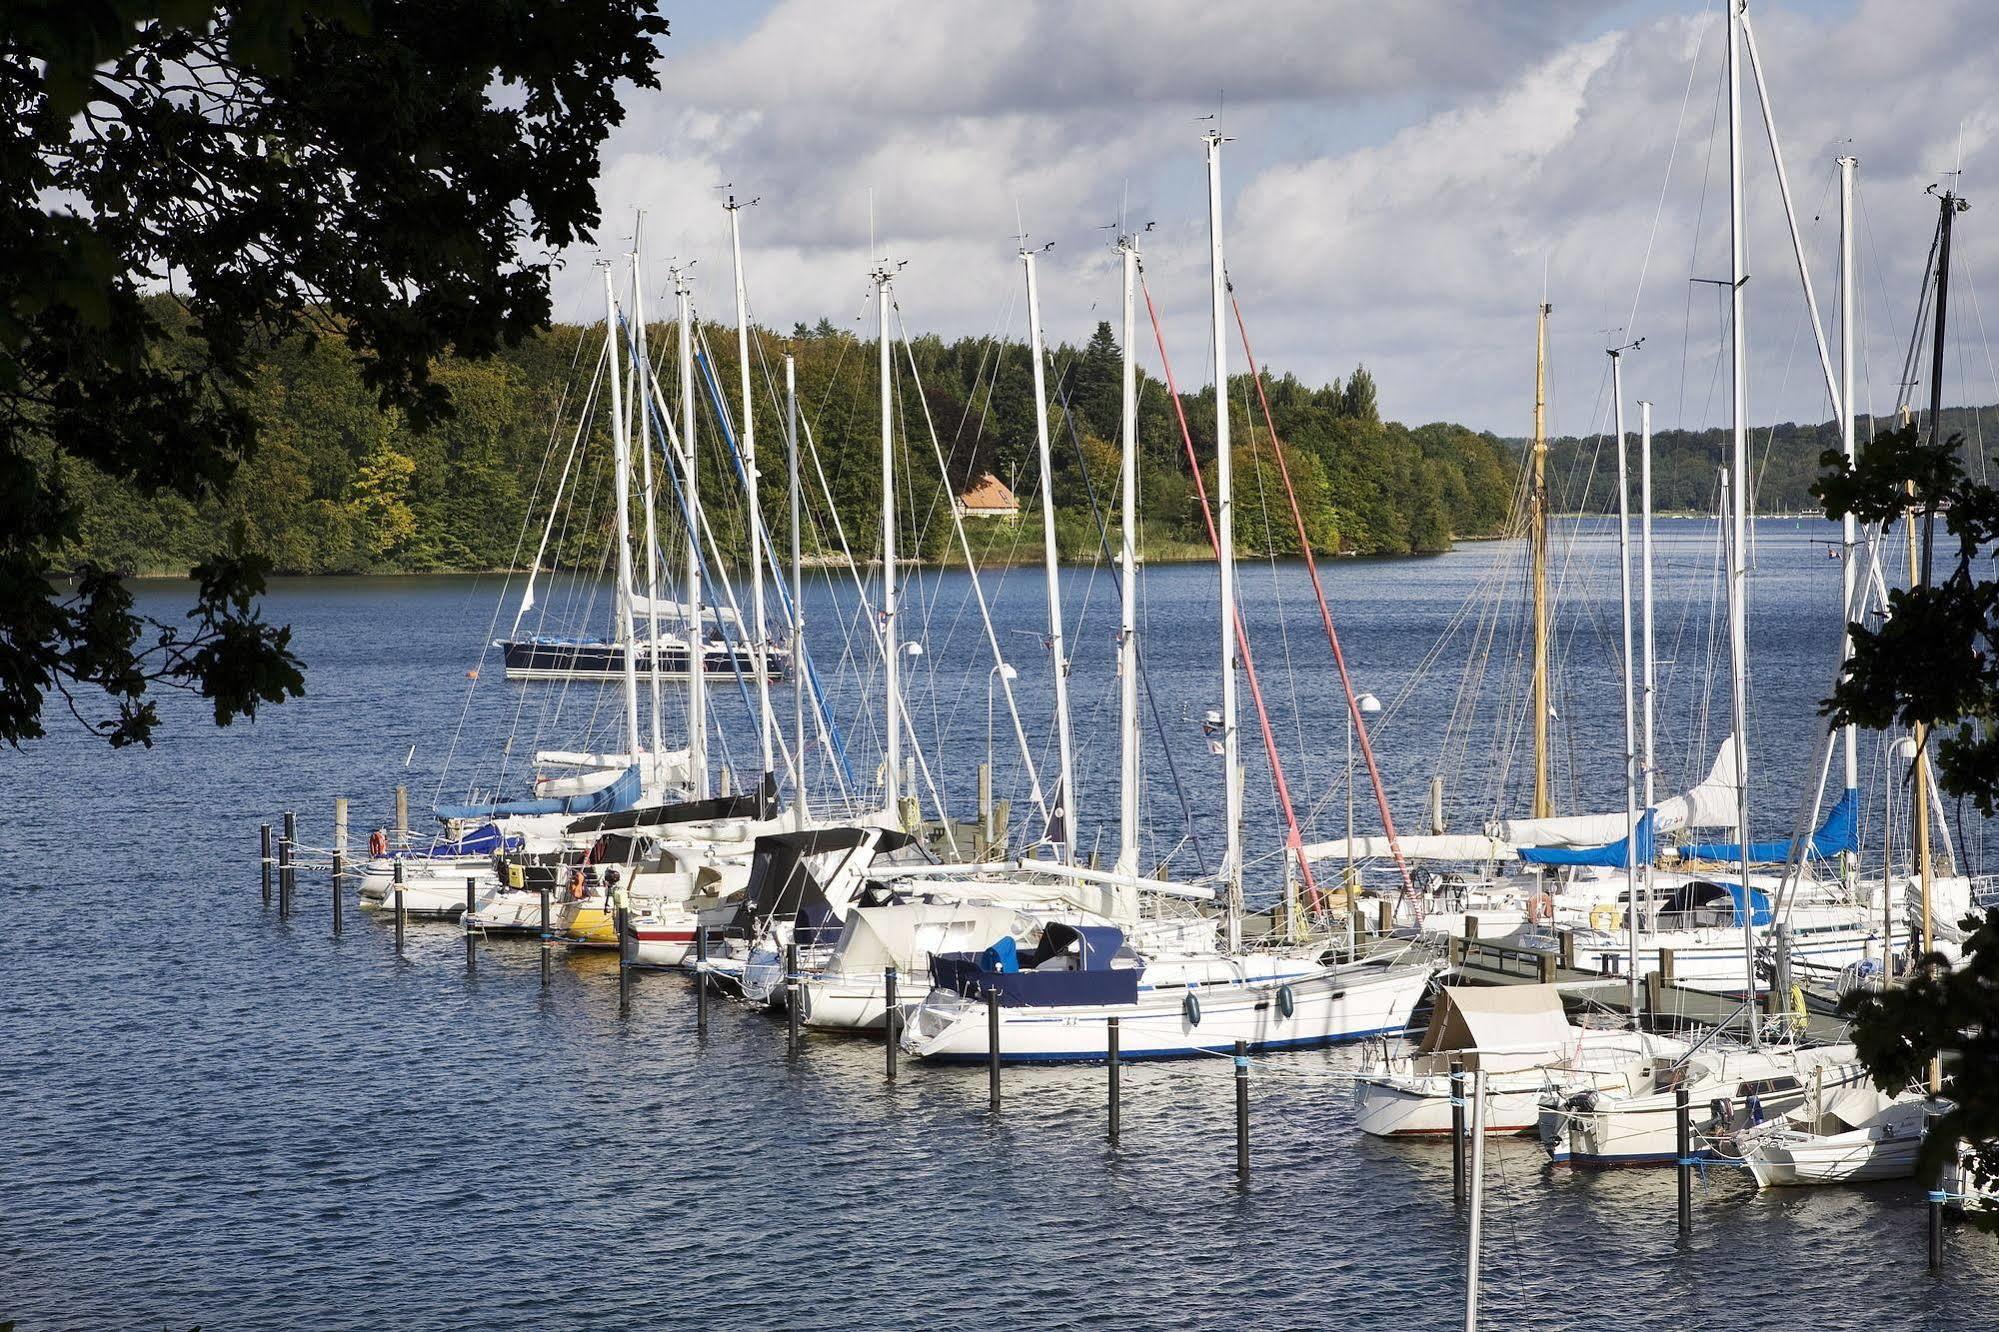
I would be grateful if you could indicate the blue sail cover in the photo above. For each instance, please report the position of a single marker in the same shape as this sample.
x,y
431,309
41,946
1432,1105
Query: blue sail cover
x,y
1611,856
483,840
621,794
1839,833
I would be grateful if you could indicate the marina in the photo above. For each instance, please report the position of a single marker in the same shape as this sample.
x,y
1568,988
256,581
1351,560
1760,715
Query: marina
x,y
839,872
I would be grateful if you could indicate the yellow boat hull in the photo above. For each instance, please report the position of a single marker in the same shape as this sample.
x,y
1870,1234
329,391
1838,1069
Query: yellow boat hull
x,y
589,925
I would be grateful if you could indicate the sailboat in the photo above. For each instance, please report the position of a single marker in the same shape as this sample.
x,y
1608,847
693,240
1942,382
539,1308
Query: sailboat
x,y
1054,998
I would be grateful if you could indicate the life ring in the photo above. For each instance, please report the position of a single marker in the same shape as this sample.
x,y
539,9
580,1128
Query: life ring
x,y
1603,916
1287,1002
1190,1007
1541,908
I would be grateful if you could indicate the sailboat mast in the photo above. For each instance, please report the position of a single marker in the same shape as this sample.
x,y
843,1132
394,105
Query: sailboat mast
x,y
641,376
621,466
1062,827
1128,772
1537,539
1738,518
690,480
1849,536
891,650
1649,682
1631,914
1231,868
797,585
747,439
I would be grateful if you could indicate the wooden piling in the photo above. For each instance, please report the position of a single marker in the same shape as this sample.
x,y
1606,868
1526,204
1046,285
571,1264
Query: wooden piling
x,y
1547,962
1655,995
339,858
1666,972
982,844
264,863
1471,926
992,1051
547,942
700,980
1683,1136
1117,1104
471,942
399,906
891,1022
1936,1202
623,918
1457,1132
1242,1111
1385,917
402,816
1568,950
287,856
791,999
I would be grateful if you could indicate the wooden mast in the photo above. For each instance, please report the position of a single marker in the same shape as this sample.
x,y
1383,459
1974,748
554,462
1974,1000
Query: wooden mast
x,y
1537,502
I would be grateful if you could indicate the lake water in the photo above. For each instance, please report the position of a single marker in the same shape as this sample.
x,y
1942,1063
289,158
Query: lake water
x,y
219,1119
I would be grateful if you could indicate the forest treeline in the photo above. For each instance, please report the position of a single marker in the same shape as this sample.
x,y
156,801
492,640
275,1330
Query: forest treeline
x,y
339,486
1783,463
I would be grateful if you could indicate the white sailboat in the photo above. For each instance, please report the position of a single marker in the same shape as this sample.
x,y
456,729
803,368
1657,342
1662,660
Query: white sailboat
x,y
1054,1001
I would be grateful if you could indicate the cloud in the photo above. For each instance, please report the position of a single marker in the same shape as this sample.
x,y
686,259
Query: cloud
x,y
1401,178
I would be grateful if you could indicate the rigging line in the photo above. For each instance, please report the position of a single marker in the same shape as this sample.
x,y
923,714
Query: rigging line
x,y
1144,678
985,611
1666,178
1332,634
1241,632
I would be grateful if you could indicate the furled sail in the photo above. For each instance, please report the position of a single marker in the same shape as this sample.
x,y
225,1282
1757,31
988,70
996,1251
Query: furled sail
x,y
622,793
1709,805
1839,833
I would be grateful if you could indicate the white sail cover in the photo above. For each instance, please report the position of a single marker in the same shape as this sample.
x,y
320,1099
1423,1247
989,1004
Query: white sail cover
x,y
669,769
1449,846
1709,805
668,609
1499,1028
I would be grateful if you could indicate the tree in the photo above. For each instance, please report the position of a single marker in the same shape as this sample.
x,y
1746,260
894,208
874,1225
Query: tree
x,y
1935,663
388,173
1357,398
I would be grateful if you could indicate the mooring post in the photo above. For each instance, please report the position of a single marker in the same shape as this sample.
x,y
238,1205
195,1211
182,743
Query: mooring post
x,y
402,816
288,870
1655,995
1111,1048
399,905
546,941
1683,1137
701,980
1568,946
791,998
1936,1202
983,842
1547,964
891,1021
1242,1110
992,1050
1457,1132
471,955
623,918
339,857
1385,917
264,863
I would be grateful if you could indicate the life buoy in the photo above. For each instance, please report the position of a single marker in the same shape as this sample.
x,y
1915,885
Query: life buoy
x,y
1287,1002
378,844
1190,1007
1541,908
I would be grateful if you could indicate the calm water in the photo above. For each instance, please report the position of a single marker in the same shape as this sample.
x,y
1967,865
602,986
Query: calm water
x,y
218,1119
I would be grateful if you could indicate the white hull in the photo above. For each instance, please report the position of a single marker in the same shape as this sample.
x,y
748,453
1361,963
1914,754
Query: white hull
x,y
1328,1006
1784,1158
1391,1100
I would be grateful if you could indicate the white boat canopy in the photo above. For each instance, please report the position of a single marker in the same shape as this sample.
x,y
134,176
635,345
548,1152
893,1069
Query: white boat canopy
x,y
1498,1028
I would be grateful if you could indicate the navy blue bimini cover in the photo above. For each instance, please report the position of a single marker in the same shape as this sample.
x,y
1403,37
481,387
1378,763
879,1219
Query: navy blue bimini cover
x,y
483,840
1090,981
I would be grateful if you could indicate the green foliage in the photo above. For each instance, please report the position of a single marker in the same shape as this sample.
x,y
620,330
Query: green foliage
x,y
387,175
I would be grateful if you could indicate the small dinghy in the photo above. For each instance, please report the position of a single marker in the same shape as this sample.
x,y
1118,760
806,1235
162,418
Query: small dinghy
x,y
1847,1135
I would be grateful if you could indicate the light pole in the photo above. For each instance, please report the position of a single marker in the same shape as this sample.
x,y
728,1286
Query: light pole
x,y
1006,670
1369,704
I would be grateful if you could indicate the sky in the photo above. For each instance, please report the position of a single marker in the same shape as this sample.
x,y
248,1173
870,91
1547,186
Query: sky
x,y
1403,182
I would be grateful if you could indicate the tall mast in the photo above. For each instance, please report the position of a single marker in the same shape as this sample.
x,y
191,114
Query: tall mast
x,y
1849,535
1062,827
891,650
1738,519
1950,205
641,376
759,631
621,465
1231,868
1649,683
797,587
690,480
1128,772
1537,539
1631,917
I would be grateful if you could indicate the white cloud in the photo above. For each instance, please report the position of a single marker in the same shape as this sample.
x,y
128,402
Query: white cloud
x,y
1400,174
